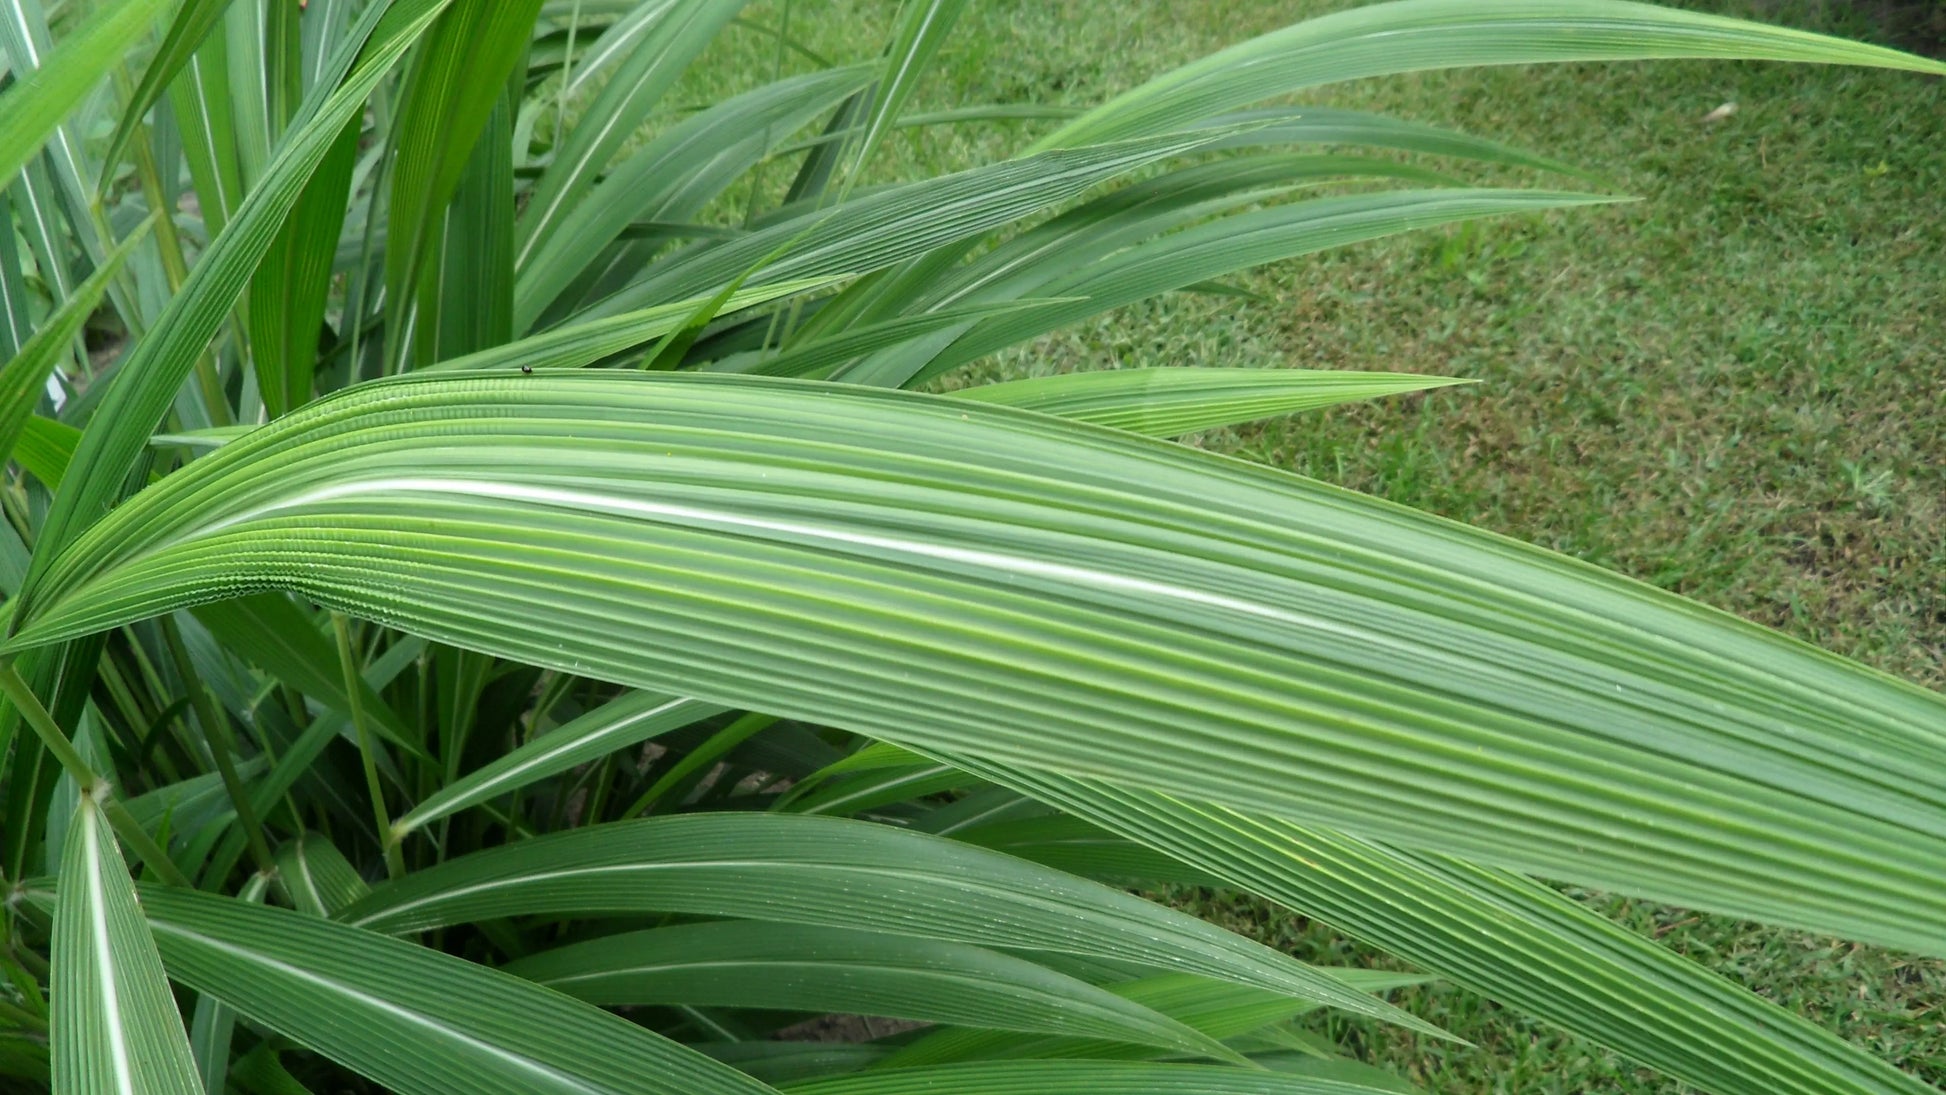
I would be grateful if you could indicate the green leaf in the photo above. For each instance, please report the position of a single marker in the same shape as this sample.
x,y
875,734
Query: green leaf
x,y
673,177
411,1019
630,719
453,88
1075,1078
1508,938
651,51
1414,35
186,34
316,877
149,377
201,100
889,226
749,964
115,1029
1218,247
1172,402
24,378
834,872
584,343
1217,1009
922,30
39,100
45,447
272,632
290,287
967,578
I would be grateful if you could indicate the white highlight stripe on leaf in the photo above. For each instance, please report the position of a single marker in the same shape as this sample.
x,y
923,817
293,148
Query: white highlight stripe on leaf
x,y
111,1004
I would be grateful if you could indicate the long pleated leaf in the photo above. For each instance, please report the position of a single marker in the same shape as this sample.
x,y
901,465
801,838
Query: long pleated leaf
x,y
1227,245
148,379
115,1029
40,99
627,720
582,343
1172,402
23,378
1217,1009
833,872
747,964
1075,1078
191,25
1504,936
467,57
316,877
411,1019
1413,35
946,575
674,175
888,226
664,37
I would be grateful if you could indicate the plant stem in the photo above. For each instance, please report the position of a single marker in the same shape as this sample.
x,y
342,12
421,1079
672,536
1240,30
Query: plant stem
x,y
51,736
142,844
221,745
57,743
394,860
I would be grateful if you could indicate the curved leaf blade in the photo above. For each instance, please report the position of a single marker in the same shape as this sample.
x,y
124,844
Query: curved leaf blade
x,y
749,964
629,719
1170,402
1414,35
1078,600
1506,937
415,1020
37,102
1076,1078
115,1029
834,872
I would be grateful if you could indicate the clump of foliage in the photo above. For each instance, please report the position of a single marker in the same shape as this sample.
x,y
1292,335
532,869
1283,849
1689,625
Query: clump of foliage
x,y
506,574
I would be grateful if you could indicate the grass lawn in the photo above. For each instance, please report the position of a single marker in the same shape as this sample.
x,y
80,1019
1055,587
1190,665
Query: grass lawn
x,y
1735,389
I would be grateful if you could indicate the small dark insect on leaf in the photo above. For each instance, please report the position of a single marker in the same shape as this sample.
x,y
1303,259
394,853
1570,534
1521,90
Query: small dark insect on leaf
x,y
528,369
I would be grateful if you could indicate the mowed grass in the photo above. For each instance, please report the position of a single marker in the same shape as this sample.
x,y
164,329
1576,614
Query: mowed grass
x,y
1734,389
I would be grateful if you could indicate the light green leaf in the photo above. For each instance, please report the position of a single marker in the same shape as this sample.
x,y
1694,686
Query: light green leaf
x,y
1217,1009
750,964
1075,1078
148,379
415,1020
674,176
655,47
187,31
453,88
885,227
1413,35
39,100
1172,402
1223,246
1072,599
315,876
1508,938
115,1029
630,719
23,379
583,343
834,872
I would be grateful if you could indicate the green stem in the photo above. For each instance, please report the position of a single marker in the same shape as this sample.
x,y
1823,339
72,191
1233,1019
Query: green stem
x,y
37,717
142,844
354,688
221,745
123,822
